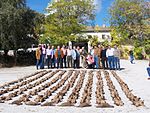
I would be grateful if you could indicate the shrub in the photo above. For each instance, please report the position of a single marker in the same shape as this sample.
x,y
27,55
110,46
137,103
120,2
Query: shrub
x,y
124,52
138,53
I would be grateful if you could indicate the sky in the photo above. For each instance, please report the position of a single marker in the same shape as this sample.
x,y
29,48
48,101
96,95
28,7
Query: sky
x,y
102,14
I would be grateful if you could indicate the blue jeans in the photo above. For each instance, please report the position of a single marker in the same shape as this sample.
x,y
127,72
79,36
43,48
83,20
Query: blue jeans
x,y
37,63
111,62
117,63
131,58
42,61
48,61
96,61
148,71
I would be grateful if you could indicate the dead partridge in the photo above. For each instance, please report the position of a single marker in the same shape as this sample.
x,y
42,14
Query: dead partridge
x,y
84,105
31,103
47,104
17,102
67,104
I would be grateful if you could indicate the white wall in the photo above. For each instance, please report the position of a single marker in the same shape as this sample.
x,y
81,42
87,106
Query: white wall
x,y
100,34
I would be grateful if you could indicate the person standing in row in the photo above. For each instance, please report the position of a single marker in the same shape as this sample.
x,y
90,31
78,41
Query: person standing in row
x,y
104,58
65,55
83,54
96,54
38,56
43,55
52,56
116,58
59,57
74,57
99,54
110,56
78,56
48,53
69,57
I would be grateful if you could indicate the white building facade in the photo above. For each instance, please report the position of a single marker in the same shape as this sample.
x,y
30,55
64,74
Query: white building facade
x,y
102,33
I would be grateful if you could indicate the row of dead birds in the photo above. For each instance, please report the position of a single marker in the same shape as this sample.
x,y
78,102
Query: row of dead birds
x,y
46,85
23,82
21,90
72,99
17,92
20,80
41,98
114,93
86,96
134,99
59,96
100,98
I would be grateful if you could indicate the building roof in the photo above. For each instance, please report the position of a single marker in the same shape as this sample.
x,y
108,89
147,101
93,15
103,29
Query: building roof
x,y
97,29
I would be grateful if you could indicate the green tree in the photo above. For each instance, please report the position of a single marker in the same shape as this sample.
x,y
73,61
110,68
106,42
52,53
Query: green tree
x,y
68,18
131,19
17,25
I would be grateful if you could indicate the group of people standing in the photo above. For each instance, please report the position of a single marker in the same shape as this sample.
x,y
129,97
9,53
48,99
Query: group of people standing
x,y
67,57
61,57
106,57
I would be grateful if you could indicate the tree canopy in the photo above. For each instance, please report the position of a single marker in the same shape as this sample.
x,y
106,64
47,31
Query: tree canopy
x,y
17,24
130,21
131,18
67,18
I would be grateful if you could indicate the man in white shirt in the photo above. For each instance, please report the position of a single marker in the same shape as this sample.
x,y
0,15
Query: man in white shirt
x,y
52,56
69,57
48,53
110,57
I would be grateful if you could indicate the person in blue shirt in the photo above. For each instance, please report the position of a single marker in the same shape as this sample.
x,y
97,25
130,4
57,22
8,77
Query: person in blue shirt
x,y
74,57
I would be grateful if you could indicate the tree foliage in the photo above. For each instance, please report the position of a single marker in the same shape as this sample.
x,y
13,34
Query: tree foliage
x,y
17,24
67,18
131,20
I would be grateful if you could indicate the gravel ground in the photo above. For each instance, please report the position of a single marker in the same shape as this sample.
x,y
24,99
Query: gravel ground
x,y
134,75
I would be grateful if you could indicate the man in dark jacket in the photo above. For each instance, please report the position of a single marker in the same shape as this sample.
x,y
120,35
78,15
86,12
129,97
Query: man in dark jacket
x,y
104,58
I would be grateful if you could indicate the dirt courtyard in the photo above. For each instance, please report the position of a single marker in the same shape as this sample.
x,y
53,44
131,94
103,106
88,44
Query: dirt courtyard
x,y
24,89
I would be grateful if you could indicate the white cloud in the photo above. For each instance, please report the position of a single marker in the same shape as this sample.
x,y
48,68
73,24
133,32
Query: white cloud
x,y
98,4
